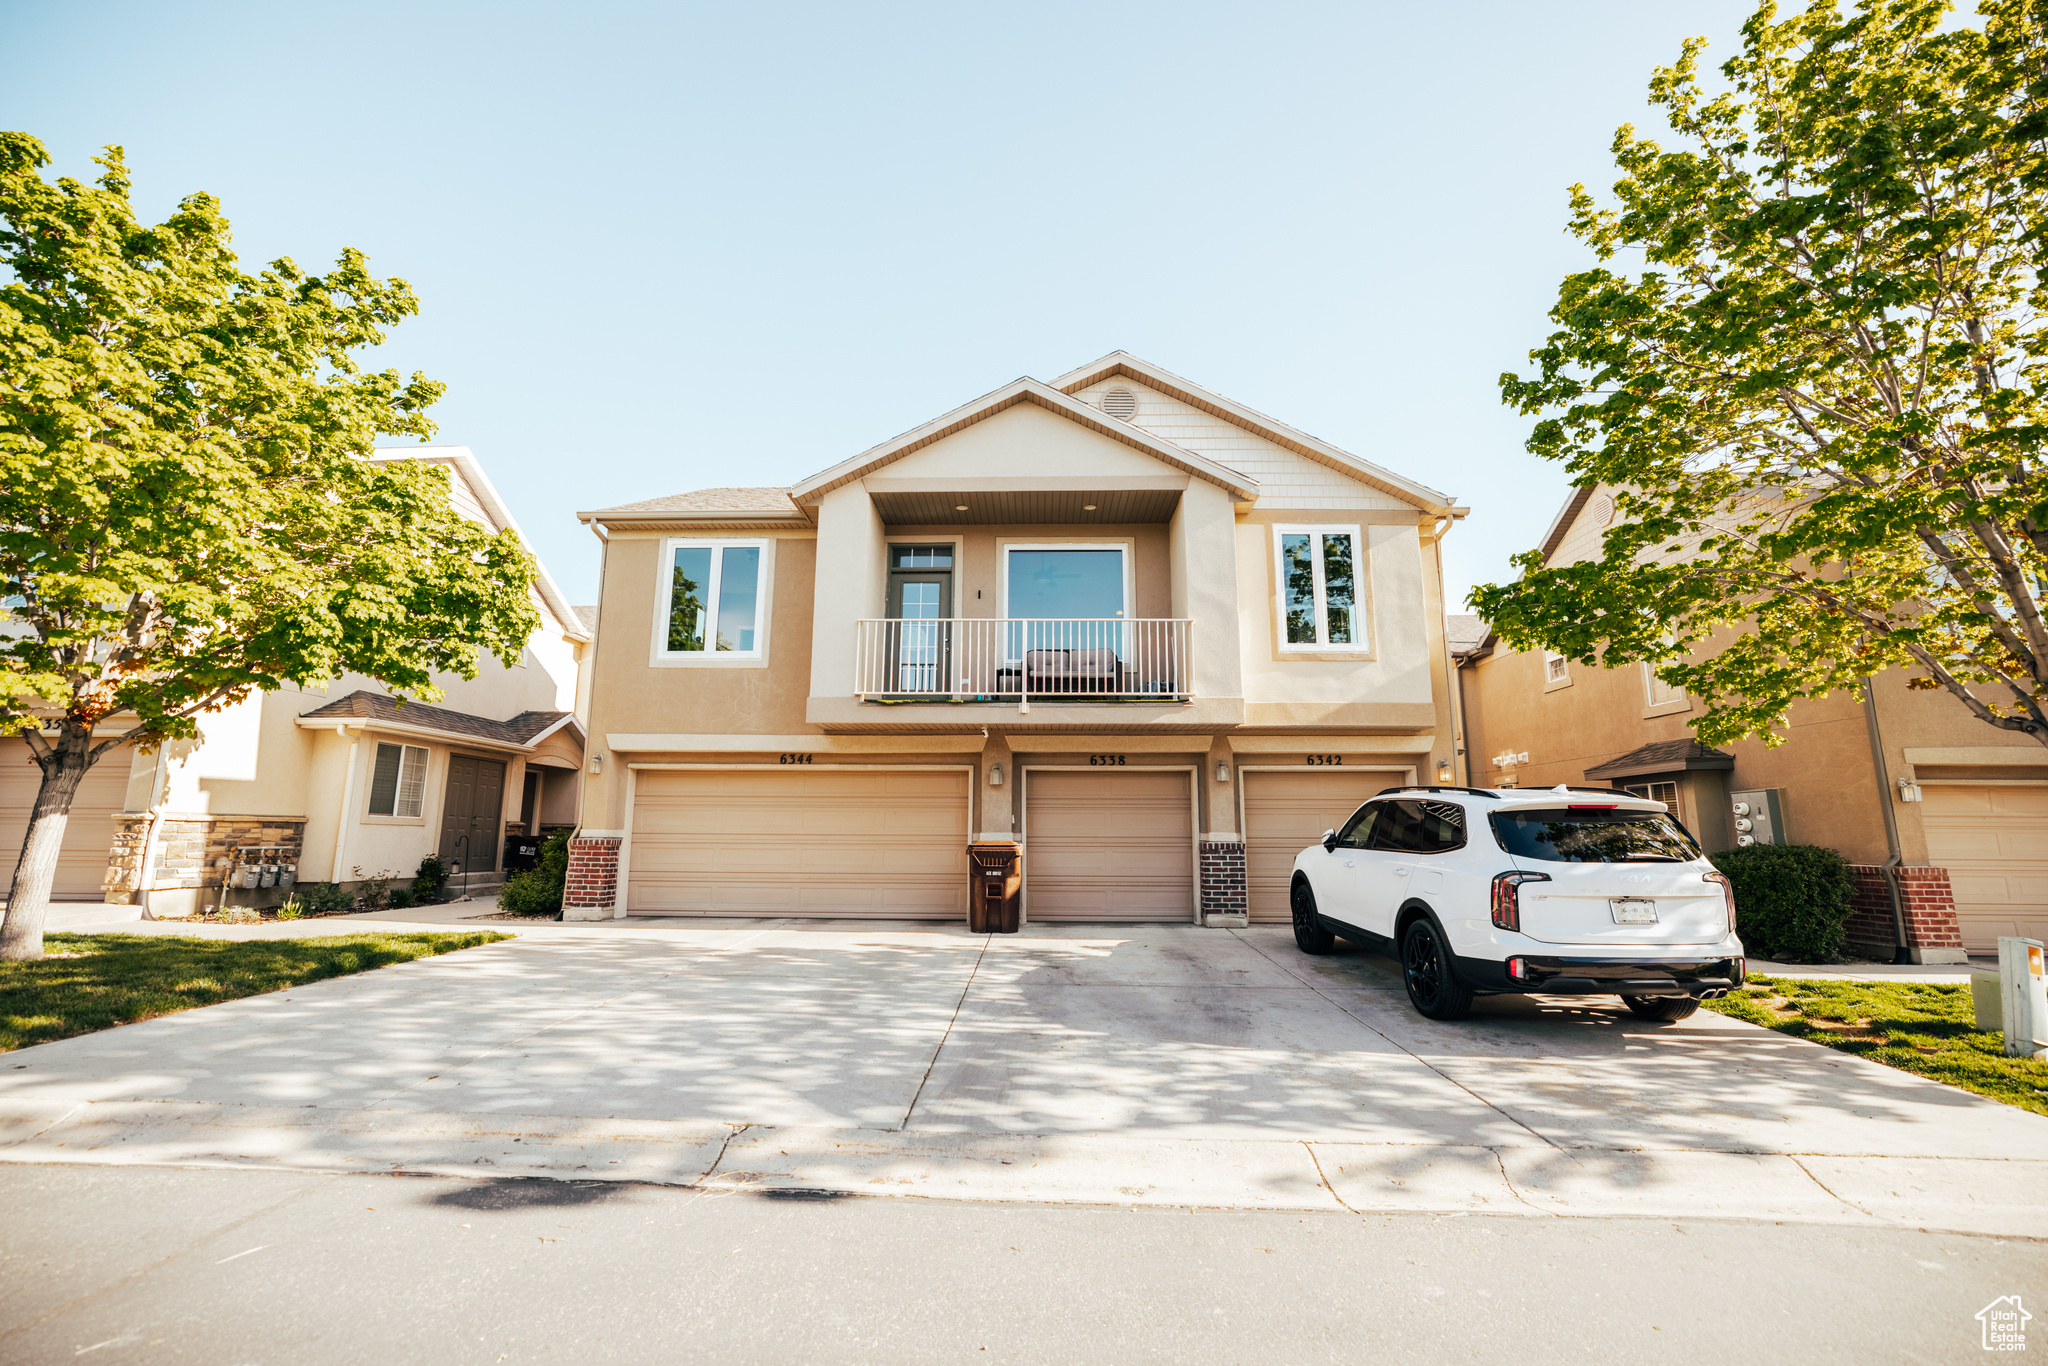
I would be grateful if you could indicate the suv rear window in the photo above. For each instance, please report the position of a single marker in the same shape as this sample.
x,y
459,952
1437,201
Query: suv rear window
x,y
1562,836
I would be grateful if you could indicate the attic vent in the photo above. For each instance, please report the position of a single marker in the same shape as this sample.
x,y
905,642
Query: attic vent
x,y
1603,510
1120,403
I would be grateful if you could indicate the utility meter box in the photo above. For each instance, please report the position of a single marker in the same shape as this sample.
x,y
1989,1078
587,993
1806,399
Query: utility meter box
x,y
1759,817
2023,982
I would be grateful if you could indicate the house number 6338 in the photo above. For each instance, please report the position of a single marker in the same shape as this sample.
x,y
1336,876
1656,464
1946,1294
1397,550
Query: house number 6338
x,y
1105,761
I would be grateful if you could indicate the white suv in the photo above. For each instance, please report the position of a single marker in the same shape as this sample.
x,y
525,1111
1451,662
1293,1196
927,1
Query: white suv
x,y
1581,891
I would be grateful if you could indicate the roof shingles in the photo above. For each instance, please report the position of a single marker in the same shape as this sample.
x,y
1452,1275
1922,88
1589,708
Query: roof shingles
x,y
372,706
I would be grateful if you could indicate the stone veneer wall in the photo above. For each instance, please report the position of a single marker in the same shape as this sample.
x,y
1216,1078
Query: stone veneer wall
x,y
1928,901
188,847
1223,888
593,886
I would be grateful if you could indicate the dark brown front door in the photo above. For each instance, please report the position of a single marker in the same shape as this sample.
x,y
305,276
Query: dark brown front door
x,y
469,818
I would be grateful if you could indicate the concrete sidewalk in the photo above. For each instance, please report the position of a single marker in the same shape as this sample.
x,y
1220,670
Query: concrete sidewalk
x,y
1072,1064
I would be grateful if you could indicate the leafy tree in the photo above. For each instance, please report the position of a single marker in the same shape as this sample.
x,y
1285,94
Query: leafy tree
x,y
1822,402
186,513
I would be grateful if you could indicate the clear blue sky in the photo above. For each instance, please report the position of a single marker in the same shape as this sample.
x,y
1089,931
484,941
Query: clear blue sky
x,y
665,246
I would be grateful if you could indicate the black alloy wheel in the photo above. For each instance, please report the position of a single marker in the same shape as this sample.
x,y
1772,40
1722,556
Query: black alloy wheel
x,y
1666,1008
1309,934
1426,971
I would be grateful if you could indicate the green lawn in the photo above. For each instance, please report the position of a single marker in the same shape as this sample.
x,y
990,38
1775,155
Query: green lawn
x,y
1923,1027
96,981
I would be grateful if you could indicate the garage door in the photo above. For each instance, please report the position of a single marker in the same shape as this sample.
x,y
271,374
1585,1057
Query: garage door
x,y
1993,839
82,860
1284,813
1108,846
868,845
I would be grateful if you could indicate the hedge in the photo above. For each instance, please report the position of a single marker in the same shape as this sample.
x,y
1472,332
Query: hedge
x,y
540,888
1791,900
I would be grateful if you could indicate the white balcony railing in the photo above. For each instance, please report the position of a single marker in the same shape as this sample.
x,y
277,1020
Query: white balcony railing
x,y
998,658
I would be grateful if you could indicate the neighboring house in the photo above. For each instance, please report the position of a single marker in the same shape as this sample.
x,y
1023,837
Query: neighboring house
x,y
1134,626
335,779
1968,803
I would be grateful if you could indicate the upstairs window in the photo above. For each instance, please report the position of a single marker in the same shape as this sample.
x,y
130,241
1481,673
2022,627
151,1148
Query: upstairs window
x,y
712,599
1319,597
398,781
1658,690
1556,668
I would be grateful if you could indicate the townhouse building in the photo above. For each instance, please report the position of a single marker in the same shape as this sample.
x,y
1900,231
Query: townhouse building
x,y
1916,793
1155,638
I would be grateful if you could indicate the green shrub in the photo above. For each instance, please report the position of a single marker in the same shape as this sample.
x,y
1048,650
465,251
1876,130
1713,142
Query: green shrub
x,y
1791,900
401,897
323,898
540,889
292,908
373,891
428,881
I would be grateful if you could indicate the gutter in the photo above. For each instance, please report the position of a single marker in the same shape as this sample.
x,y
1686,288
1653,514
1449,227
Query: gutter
x,y
145,882
1895,854
348,804
460,739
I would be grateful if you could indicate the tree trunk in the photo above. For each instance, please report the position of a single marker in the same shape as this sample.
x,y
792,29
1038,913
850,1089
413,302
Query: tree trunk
x,y
28,897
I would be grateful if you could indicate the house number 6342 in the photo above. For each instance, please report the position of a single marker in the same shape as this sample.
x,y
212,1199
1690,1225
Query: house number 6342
x,y
1316,759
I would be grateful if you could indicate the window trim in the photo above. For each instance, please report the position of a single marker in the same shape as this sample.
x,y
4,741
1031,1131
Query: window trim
x,y
1123,545
1361,598
1553,684
394,816
659,655
1670,705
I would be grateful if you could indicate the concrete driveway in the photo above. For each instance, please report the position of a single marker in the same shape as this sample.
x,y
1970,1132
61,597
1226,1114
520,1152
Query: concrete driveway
x,y
1154,1065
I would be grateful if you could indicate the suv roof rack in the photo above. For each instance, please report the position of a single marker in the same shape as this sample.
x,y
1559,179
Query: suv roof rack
x,y
1417,787
1568,787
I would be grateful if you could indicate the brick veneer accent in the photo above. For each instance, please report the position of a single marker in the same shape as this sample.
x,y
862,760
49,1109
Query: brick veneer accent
x,y
1223,878
188,847
593,875
1928,902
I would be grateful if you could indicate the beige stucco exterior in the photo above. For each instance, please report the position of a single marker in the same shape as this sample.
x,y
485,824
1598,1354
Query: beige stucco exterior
x,y
1179,485
265,763
1823,767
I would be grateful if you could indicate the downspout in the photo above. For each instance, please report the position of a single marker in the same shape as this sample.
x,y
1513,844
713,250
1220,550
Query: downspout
x,y
1461,762
1895,855
144,882
348,804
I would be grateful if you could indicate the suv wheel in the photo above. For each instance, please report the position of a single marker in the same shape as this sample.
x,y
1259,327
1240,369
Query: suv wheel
x,y
1309,934
1665,1008
1426,970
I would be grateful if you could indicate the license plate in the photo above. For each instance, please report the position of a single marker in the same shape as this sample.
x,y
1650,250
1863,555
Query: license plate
x,y
1634,910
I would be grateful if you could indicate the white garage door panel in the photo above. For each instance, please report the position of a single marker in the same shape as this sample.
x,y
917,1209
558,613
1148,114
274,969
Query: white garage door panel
x,y
1993,839
1284,813
82,859
870,845
1108,846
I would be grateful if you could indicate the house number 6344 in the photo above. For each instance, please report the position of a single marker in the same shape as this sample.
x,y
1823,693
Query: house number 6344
x,y
794,759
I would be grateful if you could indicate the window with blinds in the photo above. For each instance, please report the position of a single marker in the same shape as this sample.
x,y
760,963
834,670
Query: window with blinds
x,y
398,781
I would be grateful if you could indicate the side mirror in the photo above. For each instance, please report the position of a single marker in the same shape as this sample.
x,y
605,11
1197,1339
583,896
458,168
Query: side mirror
x,y
1329,841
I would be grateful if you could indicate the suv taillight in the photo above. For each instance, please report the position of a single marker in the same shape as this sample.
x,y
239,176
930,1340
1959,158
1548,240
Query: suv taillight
x,y
1507,907
1727,895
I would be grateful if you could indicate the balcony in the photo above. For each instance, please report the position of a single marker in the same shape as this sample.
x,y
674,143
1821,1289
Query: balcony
x,y
1019,659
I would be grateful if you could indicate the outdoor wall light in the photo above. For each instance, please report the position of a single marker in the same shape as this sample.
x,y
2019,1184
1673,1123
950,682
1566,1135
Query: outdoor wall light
x,y
597,763
1222,771
995,775
1443,770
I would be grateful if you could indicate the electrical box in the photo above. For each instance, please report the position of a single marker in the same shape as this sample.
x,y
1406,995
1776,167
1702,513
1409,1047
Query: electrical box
x,y
2023,983
1759,817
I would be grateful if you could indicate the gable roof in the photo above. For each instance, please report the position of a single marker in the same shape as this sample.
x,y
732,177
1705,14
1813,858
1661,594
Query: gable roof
x,y
464,463
523,731
1566,515
750,500
1279,433
1025,390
